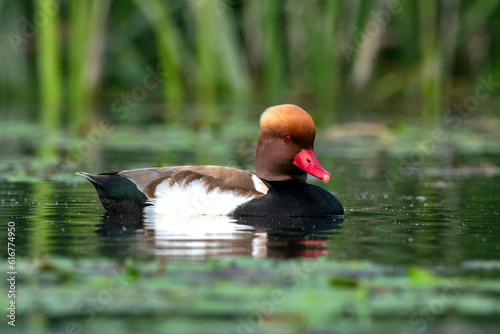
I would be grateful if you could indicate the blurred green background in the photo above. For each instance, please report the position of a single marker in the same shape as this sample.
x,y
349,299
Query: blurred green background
x,y
406,98
65,65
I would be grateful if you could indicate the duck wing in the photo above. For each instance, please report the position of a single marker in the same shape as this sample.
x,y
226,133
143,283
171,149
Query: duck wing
x,y
224,179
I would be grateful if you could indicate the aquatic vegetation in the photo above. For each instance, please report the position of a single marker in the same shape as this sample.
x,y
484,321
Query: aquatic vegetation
x,y
233,295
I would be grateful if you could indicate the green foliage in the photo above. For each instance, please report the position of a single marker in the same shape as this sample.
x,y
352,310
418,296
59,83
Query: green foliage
x,y
340,59
49,72
171,51
87,21
224,295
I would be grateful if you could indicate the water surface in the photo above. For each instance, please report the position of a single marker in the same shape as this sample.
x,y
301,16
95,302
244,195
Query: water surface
x,y
436,215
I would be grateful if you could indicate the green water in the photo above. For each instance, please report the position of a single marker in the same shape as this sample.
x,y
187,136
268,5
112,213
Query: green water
x,y
405,240
438,215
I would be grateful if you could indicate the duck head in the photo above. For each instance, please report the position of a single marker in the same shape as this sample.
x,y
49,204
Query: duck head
x,y
285,150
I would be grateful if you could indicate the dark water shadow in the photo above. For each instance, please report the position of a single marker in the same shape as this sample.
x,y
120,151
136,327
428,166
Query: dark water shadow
x,y
212,237
119,225
291,237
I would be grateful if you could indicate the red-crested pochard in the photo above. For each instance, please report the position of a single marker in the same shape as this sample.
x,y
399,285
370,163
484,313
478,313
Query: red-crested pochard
x,y
277,187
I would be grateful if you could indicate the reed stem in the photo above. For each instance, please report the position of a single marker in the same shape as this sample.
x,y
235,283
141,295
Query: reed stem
x,y
49,72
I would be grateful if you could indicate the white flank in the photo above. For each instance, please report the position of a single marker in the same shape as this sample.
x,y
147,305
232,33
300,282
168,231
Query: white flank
x,y
193,200
188,222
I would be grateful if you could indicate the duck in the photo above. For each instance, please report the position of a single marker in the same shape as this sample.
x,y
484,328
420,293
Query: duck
x,y
276,188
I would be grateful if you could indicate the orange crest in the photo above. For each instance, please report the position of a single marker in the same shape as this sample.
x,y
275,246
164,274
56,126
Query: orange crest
x,y
288,119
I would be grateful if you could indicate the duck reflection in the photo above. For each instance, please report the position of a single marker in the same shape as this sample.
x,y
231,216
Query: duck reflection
x,y
211,237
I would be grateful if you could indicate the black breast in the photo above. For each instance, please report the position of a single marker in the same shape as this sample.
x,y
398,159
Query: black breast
x,y
292,199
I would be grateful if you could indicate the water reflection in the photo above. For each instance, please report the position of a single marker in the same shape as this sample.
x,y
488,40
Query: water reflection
x,y
212,237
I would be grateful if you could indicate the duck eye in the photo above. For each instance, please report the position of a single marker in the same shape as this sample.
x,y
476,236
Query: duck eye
x,y
288,138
